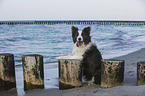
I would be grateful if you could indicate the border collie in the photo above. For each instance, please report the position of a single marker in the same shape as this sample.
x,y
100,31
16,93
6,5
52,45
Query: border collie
x,y
87,51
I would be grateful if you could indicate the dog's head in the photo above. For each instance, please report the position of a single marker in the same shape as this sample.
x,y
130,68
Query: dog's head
x,y
81,37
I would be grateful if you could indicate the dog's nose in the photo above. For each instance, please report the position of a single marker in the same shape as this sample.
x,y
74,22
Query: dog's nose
x,y
79,39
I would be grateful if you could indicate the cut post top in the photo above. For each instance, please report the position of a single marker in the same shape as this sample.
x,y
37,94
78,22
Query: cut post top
x,y
141,62
112,60
5,54
32,55
69,59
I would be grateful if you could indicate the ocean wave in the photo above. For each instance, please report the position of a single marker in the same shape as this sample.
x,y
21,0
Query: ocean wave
x,y
53,41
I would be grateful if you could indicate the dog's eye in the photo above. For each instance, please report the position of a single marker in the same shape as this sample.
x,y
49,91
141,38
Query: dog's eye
x,y
84,34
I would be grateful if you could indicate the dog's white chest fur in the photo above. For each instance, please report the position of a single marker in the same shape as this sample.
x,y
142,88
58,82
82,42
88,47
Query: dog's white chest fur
x,y
77,52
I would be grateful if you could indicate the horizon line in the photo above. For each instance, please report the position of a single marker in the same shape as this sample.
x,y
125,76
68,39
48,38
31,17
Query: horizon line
x,y
70,20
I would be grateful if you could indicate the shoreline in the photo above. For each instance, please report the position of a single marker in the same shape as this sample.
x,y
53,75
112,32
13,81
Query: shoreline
x,y
129,87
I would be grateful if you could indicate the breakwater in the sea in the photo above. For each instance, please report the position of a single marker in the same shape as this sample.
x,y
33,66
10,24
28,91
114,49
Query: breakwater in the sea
x,y
51,22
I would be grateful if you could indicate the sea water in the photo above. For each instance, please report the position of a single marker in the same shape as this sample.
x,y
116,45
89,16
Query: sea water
x,y
53,41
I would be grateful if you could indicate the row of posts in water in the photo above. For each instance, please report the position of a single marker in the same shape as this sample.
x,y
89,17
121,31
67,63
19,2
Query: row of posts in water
x,y
70,72
75,22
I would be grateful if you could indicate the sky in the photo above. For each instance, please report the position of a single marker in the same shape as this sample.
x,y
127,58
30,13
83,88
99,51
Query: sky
x,y
72,10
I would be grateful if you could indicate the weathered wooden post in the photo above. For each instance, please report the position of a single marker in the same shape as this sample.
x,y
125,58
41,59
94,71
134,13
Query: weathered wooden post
x,y
33,71
141,73
112,73
7,71
70,73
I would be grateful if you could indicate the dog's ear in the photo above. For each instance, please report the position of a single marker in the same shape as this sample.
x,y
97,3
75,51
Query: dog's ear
x,y
74,29
87,30
74,32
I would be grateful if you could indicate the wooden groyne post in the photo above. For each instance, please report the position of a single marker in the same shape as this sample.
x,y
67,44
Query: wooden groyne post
x,y
70,73
7,71
141,73
112,73
33,71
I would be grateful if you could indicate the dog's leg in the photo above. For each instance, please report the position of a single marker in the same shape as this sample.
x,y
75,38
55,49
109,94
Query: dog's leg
x,y
71,56
65,57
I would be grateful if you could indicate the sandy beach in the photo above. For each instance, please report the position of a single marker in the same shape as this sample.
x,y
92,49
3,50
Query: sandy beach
x,y
128,89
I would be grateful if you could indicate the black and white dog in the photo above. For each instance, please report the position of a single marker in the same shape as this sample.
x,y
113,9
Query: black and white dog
x,y
87,51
